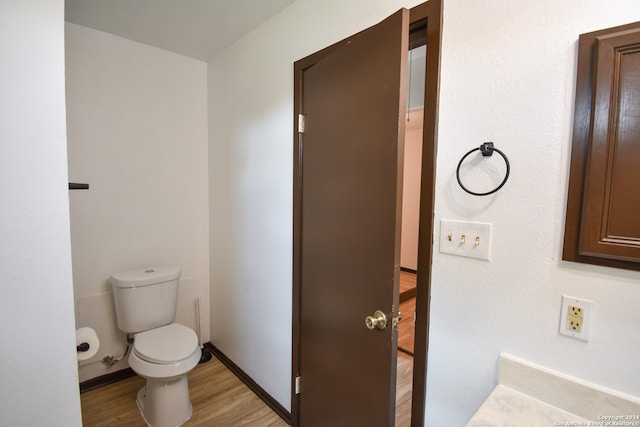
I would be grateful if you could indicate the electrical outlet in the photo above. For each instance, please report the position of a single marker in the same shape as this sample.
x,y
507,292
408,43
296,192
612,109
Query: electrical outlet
x,y
575,311
575,318
468,239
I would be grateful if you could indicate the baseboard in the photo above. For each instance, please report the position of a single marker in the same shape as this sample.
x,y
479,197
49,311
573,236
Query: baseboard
x,y
107,379
405,351
249,382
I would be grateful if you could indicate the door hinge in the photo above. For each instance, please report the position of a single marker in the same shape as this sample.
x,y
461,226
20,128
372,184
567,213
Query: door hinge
x,y
301,123
298,385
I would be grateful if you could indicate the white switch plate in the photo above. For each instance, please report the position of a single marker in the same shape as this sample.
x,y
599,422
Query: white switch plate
x,y
463,238
585,330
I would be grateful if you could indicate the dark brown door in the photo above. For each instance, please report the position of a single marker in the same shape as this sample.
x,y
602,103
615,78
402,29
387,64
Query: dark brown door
x,y
347,226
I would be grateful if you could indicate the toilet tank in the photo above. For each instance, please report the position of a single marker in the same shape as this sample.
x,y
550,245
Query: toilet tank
x,y
145,299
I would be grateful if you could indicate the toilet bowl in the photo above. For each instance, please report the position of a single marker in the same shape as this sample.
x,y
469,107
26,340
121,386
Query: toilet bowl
x,y
164,356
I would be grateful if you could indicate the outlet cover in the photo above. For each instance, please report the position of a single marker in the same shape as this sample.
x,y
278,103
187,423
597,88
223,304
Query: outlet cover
x,y
464,238
575,317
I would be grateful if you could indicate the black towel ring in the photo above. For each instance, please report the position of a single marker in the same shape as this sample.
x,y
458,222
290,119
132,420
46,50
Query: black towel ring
x,y
487,150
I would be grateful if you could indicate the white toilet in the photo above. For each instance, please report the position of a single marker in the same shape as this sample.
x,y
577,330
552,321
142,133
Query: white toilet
x,y
163,352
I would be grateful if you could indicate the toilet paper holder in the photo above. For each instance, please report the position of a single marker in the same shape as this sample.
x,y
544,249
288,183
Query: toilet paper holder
x,y
87,344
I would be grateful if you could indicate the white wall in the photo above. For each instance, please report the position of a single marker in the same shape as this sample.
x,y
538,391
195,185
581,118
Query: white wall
x,y
37,363
507,75
411,189
137,126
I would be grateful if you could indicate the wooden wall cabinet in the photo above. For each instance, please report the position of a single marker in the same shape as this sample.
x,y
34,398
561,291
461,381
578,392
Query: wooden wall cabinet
x,y
603,206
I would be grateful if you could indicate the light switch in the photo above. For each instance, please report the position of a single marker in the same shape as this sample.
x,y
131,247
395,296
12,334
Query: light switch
x,y
463,238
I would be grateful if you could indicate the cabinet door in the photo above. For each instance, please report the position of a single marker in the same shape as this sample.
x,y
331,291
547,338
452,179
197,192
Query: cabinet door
x,y
603,211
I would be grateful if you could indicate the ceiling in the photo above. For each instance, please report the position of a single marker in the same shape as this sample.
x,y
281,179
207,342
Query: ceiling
x,y
196,28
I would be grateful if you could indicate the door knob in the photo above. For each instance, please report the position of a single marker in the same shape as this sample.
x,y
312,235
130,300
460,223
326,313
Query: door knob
x,y
378,320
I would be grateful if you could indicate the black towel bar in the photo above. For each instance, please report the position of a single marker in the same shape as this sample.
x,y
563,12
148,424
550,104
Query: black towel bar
x,y
487,150
76,186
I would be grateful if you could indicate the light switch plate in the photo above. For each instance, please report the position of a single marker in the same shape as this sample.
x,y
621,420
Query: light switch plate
x,y
467,239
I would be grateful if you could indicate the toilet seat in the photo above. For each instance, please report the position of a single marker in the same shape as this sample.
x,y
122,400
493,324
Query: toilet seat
x,y
174,349
165,345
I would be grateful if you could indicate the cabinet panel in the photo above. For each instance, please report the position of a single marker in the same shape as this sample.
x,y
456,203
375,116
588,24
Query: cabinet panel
x,y
603,221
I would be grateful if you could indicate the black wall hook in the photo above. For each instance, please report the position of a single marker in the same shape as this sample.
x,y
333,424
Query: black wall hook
x,y
487,149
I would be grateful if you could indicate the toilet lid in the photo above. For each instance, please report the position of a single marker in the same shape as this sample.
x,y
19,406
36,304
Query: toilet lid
x,y
167,344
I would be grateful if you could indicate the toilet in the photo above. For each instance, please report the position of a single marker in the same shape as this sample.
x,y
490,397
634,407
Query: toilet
x,y
162,352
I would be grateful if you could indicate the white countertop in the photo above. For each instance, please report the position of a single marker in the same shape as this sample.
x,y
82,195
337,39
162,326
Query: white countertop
x,y
529,395
506,407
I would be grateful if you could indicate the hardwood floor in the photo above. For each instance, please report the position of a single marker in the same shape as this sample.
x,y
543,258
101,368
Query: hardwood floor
x,y
406,333
404,384
407,327
218,397
407,285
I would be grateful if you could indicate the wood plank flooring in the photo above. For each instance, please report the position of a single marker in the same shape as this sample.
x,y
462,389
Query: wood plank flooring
x,y
406,327
219,399
404,385
407,285
406,333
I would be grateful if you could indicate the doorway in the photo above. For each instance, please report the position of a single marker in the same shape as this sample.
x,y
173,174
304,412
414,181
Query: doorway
x,y
410,231
425,28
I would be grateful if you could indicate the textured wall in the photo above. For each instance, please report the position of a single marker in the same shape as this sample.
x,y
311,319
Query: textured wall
x,y
37,364
411,190
137,126
519,95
